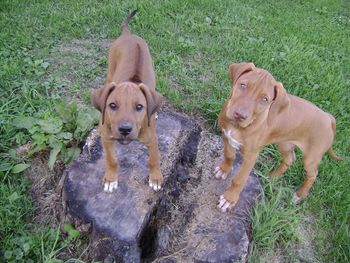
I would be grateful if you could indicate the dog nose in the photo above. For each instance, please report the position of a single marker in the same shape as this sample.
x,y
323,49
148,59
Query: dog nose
x,y
240,115
125,129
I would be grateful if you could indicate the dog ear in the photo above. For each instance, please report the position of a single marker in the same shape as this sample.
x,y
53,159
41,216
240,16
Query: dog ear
x,y
99,98
237,70
281,99
153,100
279,102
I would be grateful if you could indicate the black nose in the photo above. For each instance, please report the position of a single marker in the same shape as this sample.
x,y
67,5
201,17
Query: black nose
x,y
125,129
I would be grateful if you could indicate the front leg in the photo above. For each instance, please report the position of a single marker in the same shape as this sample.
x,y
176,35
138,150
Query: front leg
x,y
231,196
149,138
155,177
110,178
225,167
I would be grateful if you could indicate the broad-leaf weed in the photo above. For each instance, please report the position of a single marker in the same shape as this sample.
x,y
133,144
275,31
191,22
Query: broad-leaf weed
x,y
61,131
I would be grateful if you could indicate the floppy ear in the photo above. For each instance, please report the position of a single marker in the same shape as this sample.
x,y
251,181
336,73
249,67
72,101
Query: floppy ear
x,y
153,100
237,70
280,101
99,98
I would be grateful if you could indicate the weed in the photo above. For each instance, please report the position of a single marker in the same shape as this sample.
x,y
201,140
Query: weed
x,y
61,131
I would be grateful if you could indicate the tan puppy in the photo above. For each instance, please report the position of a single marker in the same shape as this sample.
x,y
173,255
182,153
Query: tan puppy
x,y
128,104
260,112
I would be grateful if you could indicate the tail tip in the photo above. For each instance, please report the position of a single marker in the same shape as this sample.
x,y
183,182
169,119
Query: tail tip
x,y
334,156
133,13
337,158
124,26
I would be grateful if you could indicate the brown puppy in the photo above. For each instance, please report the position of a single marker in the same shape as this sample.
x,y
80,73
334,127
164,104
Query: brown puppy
x,y
260,112
128,104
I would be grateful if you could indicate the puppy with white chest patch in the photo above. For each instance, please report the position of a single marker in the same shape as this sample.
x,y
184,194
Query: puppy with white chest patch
x,y
260,112
128,103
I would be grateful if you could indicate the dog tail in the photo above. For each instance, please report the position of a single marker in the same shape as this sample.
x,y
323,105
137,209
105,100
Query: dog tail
x,y
330,150
125,29
333,155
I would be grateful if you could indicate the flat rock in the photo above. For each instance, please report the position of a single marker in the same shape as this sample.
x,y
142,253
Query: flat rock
x,y
118,219
181,223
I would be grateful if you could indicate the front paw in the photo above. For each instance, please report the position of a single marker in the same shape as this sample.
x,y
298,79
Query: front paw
x,y
228,200
110,186
221,172
296,199
155,181
110,182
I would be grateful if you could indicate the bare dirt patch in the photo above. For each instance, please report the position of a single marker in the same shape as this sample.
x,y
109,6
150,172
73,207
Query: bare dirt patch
x,y
46,190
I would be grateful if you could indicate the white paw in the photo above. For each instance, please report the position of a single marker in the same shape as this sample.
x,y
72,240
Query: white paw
x,y
296,199
223,205
156,187
219,174
109,187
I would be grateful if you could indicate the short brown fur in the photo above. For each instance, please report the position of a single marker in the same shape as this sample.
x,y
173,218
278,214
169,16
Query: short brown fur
x,y
130,83
260,112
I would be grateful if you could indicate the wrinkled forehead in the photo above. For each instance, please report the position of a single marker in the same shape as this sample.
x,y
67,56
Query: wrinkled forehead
x,y
126,92
257,79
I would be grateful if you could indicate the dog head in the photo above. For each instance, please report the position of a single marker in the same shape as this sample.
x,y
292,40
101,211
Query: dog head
x,y
125,108
255,93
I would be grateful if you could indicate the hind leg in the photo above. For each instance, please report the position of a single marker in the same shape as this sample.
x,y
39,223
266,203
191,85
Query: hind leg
x,y
288,157
311,162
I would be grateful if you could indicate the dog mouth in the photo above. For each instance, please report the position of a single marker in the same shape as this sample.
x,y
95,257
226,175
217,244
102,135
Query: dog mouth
x,y
247,123
242,124
124,141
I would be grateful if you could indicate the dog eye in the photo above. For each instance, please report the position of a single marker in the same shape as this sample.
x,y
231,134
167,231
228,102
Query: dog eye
x,y
113,106
264,99
243,86
139,107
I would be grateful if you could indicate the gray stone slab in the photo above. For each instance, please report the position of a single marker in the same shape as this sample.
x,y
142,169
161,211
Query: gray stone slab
x,y
119,218
179,224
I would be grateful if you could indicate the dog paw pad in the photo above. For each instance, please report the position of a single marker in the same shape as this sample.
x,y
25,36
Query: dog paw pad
x,y
296,199
223,205
219,173
155,186
110,186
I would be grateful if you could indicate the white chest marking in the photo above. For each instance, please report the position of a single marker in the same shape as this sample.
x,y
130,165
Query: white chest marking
x,y
232,141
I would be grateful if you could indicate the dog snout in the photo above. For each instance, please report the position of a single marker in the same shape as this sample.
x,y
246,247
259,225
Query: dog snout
x,y
125,129
240,115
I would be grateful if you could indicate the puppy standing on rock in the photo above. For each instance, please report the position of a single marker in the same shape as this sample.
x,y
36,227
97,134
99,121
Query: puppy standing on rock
x,y
260,112
128,103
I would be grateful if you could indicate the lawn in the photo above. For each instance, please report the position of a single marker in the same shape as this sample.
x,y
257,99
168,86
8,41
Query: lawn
x,y
53,52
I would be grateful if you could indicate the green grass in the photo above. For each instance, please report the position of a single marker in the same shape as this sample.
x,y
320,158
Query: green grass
x,y
304,44
22,241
